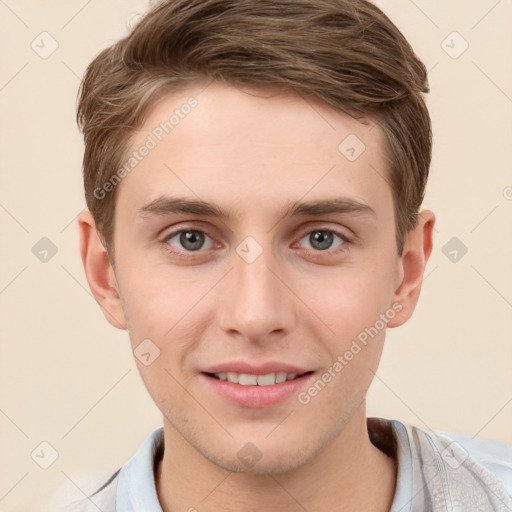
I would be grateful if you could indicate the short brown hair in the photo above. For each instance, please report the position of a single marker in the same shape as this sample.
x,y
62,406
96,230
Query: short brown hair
x,y
344,52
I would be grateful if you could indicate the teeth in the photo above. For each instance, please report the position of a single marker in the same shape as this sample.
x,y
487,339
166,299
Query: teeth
x,y
281,377
246,379
267,380
232,377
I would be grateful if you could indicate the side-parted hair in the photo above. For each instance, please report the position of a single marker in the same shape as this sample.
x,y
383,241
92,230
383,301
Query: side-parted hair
x,y
344,52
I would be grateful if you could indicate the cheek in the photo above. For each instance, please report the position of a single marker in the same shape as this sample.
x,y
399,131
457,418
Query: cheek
x,y
159,302
355,306
349,300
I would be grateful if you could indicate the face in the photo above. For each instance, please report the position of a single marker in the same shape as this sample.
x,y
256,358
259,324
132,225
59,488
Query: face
x,y
250,246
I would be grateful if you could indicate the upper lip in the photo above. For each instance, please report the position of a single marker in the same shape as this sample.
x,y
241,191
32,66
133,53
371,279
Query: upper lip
x,y
255,369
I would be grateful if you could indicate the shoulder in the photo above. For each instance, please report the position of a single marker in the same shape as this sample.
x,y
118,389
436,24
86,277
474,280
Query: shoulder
x,y
494,456
467,468
134,479
104,498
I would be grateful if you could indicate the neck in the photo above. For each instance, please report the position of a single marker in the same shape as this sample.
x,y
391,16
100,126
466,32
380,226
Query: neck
x,y
350,474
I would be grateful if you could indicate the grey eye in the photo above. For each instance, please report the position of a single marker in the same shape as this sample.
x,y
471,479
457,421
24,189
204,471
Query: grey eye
x,y
322,239
189,239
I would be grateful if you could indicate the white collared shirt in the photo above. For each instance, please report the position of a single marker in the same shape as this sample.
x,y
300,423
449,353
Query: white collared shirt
x,y
436,472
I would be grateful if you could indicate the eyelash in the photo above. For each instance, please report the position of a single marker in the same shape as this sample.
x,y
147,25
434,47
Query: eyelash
x,y
189,255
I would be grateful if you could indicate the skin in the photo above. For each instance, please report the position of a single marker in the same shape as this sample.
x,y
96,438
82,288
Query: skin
x,y
253,155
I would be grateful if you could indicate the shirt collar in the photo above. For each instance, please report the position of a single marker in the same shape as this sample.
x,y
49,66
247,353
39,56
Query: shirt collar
x,y
136,489
391,437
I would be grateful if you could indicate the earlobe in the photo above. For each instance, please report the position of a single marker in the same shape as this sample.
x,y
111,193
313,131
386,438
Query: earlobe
x,y
99,271
417,250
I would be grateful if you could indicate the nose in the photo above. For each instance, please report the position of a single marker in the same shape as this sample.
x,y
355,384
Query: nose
x,y
256,303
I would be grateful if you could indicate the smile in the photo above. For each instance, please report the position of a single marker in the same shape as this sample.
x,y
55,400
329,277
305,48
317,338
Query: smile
x,y
256,390
246,379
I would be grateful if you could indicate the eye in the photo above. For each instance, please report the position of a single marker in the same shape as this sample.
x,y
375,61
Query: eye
x,y
190,240
321,240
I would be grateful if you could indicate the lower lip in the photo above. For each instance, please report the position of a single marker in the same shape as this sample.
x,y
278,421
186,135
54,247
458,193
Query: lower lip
x,y
257,396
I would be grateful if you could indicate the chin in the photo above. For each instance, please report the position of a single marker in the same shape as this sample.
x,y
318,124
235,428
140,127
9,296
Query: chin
x,y
276,463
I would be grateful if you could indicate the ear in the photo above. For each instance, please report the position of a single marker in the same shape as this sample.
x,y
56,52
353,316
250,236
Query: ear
x,y
417,249
99,271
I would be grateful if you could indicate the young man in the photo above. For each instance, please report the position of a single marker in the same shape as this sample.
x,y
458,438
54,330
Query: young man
x,y
254,171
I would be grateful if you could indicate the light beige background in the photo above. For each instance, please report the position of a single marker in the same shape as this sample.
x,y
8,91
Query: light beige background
x,y
68,378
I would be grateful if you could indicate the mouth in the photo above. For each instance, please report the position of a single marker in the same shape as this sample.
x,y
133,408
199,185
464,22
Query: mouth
x,y
247,379
256,390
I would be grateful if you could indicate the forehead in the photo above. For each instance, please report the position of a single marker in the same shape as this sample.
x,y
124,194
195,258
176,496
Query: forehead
x,y
219,143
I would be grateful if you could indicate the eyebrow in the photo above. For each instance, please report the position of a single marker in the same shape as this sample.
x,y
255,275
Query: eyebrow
x,y
326,206
166,205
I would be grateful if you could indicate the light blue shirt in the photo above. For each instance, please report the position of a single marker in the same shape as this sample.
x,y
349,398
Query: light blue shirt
x,y
436,472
